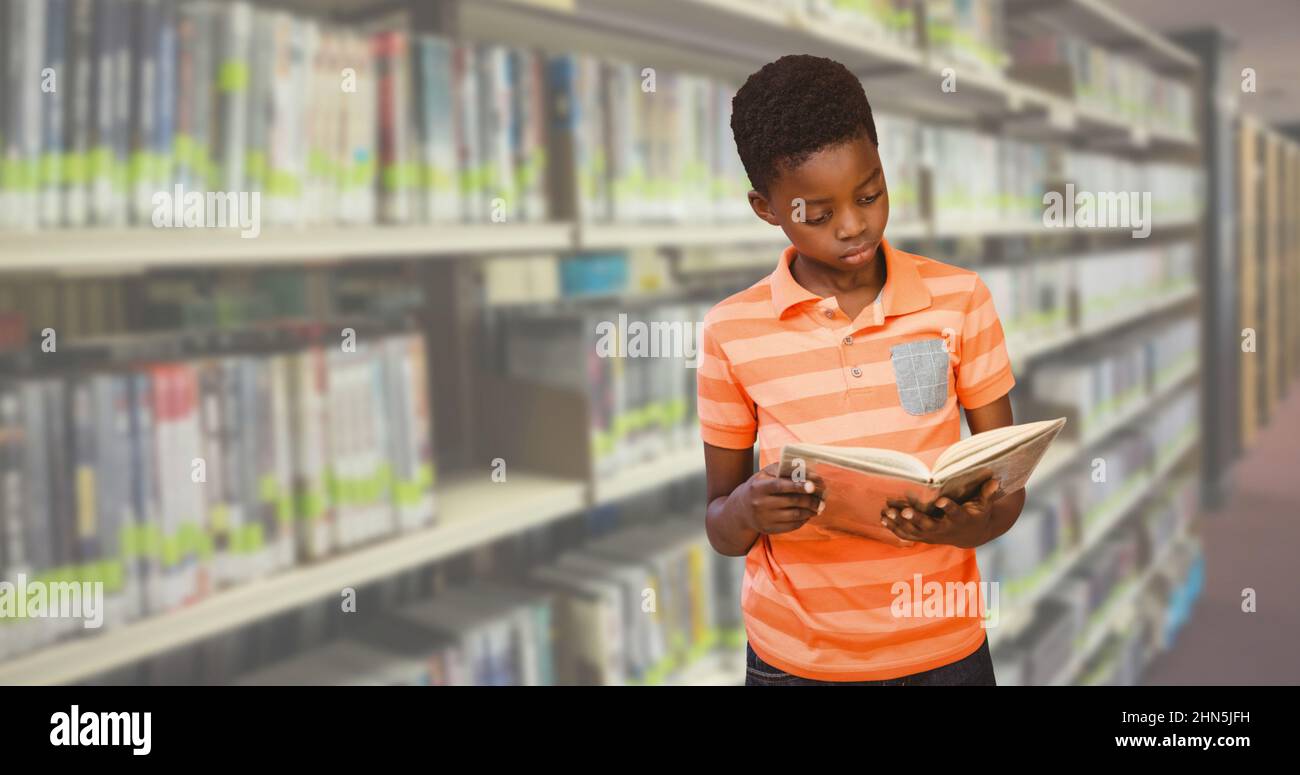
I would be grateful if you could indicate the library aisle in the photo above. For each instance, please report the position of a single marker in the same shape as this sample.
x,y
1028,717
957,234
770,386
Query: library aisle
x,y
1249,544
358,341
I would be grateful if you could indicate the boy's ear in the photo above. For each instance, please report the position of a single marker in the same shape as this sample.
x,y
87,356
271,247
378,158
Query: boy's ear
x,y
762,208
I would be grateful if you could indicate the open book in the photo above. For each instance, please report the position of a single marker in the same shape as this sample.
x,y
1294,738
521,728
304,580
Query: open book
x,y
856,482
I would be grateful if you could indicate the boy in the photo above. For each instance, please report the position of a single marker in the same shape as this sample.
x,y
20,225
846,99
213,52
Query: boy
x,y
823,350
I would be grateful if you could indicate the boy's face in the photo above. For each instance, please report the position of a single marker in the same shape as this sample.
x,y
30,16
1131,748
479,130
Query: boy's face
x,y
845,205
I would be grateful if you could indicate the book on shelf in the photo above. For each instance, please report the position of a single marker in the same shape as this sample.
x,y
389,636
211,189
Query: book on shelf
x,y
168,480
858,481
327,123
639,404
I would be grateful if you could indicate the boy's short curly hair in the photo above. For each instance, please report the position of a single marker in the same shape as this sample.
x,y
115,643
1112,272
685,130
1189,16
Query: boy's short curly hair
x,y
792,108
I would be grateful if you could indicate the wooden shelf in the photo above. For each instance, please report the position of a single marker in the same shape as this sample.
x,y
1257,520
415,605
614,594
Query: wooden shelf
x,y
144,248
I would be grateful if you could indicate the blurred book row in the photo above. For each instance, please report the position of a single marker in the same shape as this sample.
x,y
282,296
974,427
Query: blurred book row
x,y
983,35
1113,378
168,481
1102,622
1072,509
637,605
633,369
1052,299
143,98
1080,547
130,111
978,181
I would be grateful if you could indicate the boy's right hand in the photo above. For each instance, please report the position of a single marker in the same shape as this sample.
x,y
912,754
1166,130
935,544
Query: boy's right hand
x,y
770,503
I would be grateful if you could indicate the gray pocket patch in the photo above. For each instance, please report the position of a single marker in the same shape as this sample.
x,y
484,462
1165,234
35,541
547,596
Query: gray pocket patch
x,y
921,371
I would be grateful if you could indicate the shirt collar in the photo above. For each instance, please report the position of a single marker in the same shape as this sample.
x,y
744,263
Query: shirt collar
x,y
904,289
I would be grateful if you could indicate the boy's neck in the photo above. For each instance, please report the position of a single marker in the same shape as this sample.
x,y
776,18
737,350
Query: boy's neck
x,y
824,281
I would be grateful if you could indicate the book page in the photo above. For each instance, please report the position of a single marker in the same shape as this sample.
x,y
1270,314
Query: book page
x,y
859,458
1012,467
983,447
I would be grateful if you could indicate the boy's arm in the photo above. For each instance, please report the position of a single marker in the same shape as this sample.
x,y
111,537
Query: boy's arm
x,y
1006,510
741,506
726,470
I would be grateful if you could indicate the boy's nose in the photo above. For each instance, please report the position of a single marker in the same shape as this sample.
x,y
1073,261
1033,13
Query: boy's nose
x,y
850,229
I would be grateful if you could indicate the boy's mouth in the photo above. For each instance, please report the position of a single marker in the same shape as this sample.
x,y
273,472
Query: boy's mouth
x,y
858,255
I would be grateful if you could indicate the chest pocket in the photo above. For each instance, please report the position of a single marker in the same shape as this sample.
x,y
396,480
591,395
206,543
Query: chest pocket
x,y
921,373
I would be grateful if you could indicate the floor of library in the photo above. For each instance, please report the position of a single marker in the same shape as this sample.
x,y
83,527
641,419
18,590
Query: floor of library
x,y
1249,543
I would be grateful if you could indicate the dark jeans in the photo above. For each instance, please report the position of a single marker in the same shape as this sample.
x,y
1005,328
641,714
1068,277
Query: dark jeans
x,y
974,670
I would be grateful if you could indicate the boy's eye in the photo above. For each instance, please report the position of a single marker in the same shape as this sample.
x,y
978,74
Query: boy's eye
x,y
823,218
869,199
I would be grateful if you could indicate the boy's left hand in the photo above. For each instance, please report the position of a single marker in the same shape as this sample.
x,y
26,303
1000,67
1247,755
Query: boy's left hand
x,y
962,524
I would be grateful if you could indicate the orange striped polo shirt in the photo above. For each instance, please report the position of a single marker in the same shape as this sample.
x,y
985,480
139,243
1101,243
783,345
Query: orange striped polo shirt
x,y
780,364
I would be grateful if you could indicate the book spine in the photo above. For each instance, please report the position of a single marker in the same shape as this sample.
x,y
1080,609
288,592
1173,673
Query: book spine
x,y
440,106
163,458
79,81
12,557
257,449
62,483
314,512
99,139
280,490
87,550
234,23
533,177
261,86
37,545
143,27
422,139
195,528
235,426
8,100
468,169
392,71
120,102
420,416
113,451
142,544
34,535
309,111
10,435
493,133
29,34
53,108
211,412
194,145
358,121
166,95
324,88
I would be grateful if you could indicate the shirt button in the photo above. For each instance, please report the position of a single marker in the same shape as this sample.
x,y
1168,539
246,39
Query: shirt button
x,y
829,313
856,372
848,340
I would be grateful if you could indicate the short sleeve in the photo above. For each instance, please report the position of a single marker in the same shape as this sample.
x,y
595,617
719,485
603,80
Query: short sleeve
x,y
727,415
983,366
